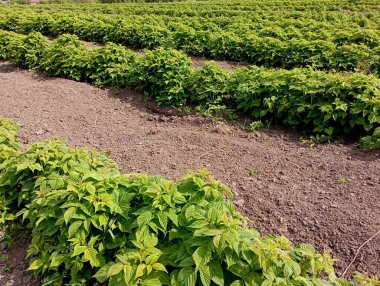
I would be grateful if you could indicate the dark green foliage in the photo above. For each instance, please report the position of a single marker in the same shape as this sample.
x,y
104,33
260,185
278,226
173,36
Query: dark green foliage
x,y
91,223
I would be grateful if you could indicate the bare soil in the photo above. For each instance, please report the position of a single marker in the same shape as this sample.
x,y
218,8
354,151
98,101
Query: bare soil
x,y
327,195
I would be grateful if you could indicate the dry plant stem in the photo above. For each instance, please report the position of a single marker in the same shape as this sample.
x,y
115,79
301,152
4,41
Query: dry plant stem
x,y
357,252
200,157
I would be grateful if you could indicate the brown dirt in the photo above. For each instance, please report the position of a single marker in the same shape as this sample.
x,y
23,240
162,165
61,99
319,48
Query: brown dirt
x,y
230,66
13,263
328,195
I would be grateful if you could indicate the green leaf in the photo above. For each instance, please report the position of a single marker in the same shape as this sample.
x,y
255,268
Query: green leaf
x,y
204,272
69,214
92,176
90,255
102,274
74,227
36,264
79,249
140,270
159,267
202,256
216,272
144,218
199,224
115,269
187,277
57,260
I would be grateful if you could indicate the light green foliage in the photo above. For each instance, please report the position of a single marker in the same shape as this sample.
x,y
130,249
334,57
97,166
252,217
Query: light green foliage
x,y
28,51
8,141
255,125
313,141
252,172
9,147
7,40
110,65
89,223
65,57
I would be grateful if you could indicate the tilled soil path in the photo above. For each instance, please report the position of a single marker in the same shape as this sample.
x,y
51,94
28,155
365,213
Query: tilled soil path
x,y
328,195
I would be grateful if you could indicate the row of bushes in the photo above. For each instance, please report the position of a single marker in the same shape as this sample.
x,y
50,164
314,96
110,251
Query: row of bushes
x,y
313,101
88,1
352,51
323,10
92,224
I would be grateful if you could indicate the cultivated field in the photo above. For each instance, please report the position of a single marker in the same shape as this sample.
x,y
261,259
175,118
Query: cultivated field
x,y
279,100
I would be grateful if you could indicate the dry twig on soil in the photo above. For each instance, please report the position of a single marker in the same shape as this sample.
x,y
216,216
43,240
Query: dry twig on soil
x,y
357,252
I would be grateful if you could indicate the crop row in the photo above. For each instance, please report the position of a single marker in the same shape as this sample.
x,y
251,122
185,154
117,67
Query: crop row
x,y
229,8
208,10
354,51
92,224
308,26
306,20
313,101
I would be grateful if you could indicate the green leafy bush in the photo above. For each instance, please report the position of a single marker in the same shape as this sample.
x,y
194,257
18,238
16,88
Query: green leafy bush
x,y
208,85
7,40
65,57
110,65
28,52
352,57
9,147
314,101
163,75
91,223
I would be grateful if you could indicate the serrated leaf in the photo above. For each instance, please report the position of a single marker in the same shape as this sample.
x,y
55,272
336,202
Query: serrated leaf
x,y
74,227
199,224
90,255
69,214
115,269
216,272
204,273
101,275
202,256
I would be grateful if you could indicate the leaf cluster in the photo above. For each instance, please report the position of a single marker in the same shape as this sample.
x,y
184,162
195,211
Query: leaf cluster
x,y
92,224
